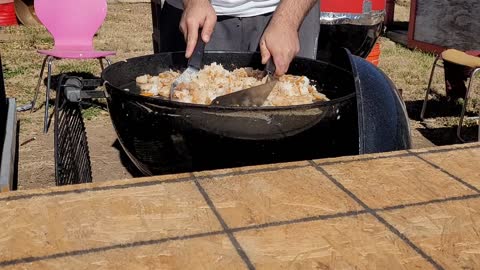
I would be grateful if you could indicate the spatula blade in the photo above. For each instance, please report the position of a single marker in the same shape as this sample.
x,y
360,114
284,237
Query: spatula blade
x,y
186,76
251,97
195,63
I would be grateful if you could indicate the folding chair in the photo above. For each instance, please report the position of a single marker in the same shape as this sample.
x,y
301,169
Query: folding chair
x,y
73,24
459,58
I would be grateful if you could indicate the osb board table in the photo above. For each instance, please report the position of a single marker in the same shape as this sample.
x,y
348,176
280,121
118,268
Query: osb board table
x,y
402,210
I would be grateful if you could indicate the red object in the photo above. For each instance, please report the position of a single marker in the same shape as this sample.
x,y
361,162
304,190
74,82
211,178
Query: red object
x,y
390,12
374,56
7,14
349,6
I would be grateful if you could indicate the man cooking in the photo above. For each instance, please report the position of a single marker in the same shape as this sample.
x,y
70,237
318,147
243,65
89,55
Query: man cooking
x,y
281,29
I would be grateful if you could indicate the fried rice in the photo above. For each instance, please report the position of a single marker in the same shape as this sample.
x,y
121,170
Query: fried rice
x,y
214,80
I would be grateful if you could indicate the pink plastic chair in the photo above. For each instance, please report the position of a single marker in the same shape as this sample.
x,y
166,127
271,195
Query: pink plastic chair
x,y
73,24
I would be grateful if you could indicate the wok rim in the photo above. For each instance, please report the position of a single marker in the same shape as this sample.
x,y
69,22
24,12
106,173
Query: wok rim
x,y
184,105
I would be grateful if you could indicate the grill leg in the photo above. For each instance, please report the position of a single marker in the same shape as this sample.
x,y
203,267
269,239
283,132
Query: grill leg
x,y
101,63
464,108
37,89
47,95
429,88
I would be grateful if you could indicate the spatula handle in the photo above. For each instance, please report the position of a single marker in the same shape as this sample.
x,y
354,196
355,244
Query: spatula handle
x,y
270,67
196,60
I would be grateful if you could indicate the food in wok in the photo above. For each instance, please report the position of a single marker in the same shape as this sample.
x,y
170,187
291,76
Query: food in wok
x,y
214,80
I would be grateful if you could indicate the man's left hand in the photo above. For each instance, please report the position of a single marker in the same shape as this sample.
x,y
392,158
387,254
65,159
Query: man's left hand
x,y
280,42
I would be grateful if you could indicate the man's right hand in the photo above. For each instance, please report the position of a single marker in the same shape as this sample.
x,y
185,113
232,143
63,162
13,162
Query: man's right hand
x,y
197,14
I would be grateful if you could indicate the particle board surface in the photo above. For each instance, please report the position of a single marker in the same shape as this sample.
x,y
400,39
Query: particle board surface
x,y
448,232
401,210
289,194
104,218
209,252
346,243
402,180
459,164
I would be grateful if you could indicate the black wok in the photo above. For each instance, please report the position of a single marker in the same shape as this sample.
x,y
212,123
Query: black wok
x,y
364,115
162,136
235,122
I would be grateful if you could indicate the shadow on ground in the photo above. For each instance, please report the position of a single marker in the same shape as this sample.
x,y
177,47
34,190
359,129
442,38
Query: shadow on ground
x,y
440,107
448,135
435,108
126,161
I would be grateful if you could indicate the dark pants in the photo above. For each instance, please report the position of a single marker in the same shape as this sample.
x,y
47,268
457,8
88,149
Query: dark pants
x,y
236,34
455,78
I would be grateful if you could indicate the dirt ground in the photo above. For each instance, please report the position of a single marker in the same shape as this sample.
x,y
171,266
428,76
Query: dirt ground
x,y
128,30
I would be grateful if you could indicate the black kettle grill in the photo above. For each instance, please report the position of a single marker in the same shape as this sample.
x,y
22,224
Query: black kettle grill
x,y
365,114
8,139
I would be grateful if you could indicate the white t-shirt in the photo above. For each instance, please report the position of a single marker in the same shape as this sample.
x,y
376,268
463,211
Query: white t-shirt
x,y
237,8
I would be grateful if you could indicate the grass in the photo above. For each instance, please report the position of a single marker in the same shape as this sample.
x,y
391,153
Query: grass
x,y
402,10
9,73
409,69
91,113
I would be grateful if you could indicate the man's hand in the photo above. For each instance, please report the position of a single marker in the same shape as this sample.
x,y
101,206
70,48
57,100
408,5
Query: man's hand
x,y
280,40
197,14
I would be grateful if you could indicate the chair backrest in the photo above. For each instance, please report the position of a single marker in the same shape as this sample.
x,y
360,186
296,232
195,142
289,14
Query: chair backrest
x,y
72,23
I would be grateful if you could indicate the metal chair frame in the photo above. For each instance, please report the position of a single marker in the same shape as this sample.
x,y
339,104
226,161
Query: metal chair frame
x,y
465,104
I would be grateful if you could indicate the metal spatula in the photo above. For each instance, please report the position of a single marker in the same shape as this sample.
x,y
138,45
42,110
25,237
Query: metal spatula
x,y
250,97
195,63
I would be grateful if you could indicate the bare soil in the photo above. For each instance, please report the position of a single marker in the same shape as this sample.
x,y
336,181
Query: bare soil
x,y
128,31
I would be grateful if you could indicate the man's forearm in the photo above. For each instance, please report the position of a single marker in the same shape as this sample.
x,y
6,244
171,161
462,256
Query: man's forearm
x,y
292,12
186,2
